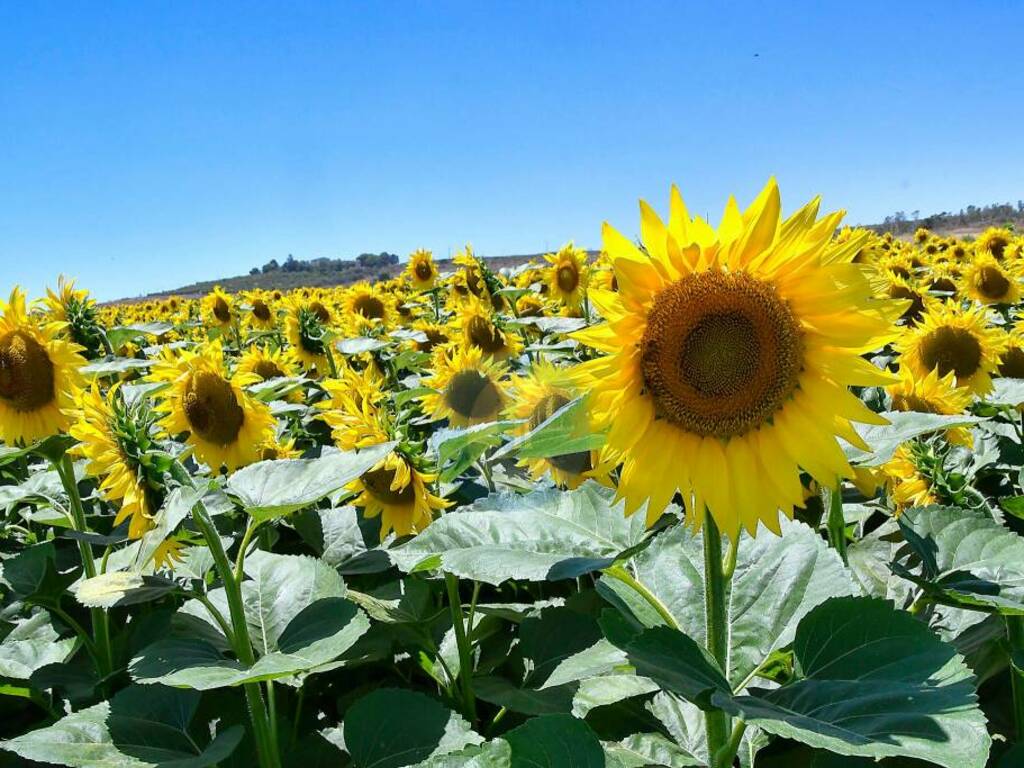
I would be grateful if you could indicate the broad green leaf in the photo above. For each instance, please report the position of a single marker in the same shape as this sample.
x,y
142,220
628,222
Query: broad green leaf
x,y
544,535
777,581
555,741
966,557
565,432
359,345
457,449
110,366
873,682
32,644
120,334
646,749
140,727
903,426
271,489
120,588
428,729
349,541
1006,392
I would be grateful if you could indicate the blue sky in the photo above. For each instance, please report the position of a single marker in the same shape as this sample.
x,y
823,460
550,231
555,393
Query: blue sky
x,y
144,145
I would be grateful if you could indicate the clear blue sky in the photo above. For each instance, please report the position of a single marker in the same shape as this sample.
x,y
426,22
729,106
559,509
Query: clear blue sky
x,y
144,145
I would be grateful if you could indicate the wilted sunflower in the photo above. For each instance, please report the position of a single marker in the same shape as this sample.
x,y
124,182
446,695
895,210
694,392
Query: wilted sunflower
x,y
729,354
987,281
226,425
949,339
480,330
219,308
467,388
568,276
537,397
421,270
114,437
39,374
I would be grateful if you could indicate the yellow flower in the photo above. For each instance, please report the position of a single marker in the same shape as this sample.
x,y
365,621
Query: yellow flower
x,y
467,388
307,333
729,355
225,425
988,282
932,394
168,554
537,397
421,270
39,374
104,429
262,313
906,485
993,241
953,340
367,307
397,492
1012,363
481,331
269,363
219,308
568,275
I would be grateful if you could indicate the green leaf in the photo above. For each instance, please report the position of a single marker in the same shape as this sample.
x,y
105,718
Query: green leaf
x,y
457,449
141,727
903,426
120,588
966,557
873,682
120,334
566,431
428,729
777,581
271,489
110,366
645,749
1006,392
32,644
359,345
544,535
555,741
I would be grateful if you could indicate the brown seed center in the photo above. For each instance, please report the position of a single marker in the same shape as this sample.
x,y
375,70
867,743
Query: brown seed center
x,y
26,372
951,349
483,334
221,310
378,483
721,353
267,369
261,310
472,395
568,278
369,307
211,408
423,270
992,283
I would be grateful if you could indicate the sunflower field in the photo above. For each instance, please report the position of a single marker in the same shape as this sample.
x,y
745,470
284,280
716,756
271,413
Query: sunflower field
x,y
745,495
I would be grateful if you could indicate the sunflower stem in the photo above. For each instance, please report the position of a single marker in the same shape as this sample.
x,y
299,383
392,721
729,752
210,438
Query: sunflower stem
x,y
462,641
1015,637
100,619
716,723
250,531
837,522
267,755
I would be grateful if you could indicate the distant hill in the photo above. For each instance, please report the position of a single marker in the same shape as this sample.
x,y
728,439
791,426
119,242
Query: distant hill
x,y
966,222
296,273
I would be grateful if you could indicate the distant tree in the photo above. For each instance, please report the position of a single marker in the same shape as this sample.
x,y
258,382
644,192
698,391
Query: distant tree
x,y
271,266
254,271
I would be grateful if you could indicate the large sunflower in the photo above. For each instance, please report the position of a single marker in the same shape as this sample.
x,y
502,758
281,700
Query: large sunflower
x,y
225,425
421,270
537,397
568,276
950,339
729,354
39,374
466,388
113,440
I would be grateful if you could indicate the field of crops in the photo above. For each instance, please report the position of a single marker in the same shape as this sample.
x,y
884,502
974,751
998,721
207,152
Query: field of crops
x,y
745,494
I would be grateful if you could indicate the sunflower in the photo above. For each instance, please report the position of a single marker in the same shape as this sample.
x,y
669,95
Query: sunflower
x,y
933,394
262,314
421,270
367,306
219,308
434,334
113,437
269,363
1011,365
39,374
537,397
993,241
943,278
987,281
467,388
529,305
471,279
396,491
307,334
225,425
953,340
568,276
75,308
729,354
480,330
902,288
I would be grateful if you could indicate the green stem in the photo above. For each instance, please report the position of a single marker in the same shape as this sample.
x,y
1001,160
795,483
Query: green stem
x,y
725,756
250,531
620,573
298,716
837,522
1015,636
268,757
465,651
100,619
716,724
272,706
